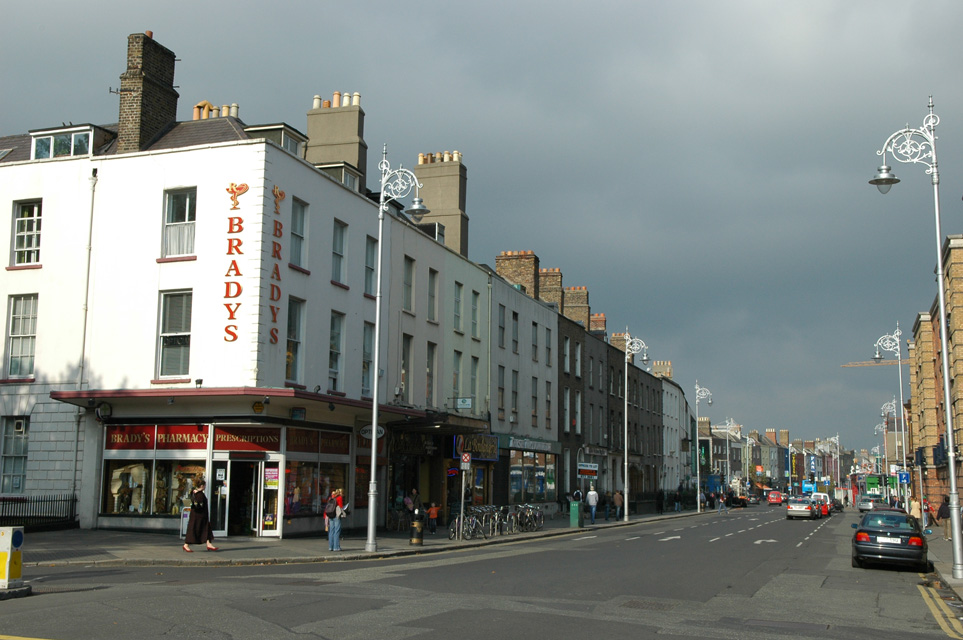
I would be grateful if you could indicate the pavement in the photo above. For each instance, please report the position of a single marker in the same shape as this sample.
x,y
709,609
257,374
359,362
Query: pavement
x,y
107,547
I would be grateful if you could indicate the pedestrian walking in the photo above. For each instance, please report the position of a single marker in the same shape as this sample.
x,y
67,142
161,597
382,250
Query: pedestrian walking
x,y
722,504
659,502
199,522
678,501
943,518
607,503
618,500
592,499
433,518
334,511
915,510
927,512
702,500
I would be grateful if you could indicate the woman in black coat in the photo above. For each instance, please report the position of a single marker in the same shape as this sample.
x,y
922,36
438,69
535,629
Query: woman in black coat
x,y
199,523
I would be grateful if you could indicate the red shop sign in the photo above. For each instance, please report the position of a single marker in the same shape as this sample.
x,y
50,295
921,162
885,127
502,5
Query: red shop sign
x,y
246,439
190,436
130,437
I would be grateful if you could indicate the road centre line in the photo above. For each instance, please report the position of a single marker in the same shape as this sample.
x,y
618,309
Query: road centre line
x,y
586,537
633,538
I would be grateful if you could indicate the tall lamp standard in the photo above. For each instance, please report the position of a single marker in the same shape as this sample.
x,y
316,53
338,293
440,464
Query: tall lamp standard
x,y
395,184
881,428
891,343
632,347
839,480
918,146
885,410
701,393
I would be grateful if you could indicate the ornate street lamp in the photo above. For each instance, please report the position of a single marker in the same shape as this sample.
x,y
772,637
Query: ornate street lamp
x,y
701,393
632,347
918,146
885,410
881,428
395,184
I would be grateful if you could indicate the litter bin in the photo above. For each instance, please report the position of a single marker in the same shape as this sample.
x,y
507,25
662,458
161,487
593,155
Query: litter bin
x,y
417,535
575,518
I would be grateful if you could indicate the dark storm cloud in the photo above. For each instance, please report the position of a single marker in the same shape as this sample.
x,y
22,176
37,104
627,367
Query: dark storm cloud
x,y
700,166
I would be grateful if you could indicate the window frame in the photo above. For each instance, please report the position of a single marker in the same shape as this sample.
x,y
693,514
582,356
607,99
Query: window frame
x,y
295,339
26,241
370,266
14,451
408,285
335,352
339,243
22,335
459,291
367,358
179,235
173,335
432,295
299,233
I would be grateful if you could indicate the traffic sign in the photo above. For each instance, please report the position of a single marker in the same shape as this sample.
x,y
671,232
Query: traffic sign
x,y
465,461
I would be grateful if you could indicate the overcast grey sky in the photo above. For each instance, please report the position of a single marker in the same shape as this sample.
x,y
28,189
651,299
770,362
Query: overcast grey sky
x,y
700,166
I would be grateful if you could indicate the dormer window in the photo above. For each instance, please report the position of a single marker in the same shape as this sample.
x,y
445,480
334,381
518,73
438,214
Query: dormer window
x,y
61,144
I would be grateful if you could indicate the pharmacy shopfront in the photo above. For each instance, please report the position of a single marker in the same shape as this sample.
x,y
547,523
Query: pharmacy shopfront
x,y
261,480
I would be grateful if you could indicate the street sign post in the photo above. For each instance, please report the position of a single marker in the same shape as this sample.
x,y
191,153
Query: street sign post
x,y
465,468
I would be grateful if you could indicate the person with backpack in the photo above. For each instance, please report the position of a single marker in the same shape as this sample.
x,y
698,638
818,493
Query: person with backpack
x,y
333,512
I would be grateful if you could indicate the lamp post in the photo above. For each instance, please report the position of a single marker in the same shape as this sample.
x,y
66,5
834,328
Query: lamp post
x,y
747,455
875,452
885,410
730,425
792,465
839,480
632,347
891,343
395,184
881,428
701,393
918,146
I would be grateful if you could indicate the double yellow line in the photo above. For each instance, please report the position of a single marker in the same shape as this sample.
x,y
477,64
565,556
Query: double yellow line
x,y
943,613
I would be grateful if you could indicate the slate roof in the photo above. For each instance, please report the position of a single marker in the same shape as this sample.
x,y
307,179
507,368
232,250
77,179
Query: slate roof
x,y
178,135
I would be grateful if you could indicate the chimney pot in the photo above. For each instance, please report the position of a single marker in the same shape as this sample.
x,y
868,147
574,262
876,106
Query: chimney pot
x,y
149,34
326,104
336,99
234,109
356,99
316,103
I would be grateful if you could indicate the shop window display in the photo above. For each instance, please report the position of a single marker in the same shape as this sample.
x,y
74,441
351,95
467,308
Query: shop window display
x,y
308,485
532,477
146,487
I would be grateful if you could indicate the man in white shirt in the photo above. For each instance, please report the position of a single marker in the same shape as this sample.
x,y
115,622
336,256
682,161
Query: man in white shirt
x,y
592,500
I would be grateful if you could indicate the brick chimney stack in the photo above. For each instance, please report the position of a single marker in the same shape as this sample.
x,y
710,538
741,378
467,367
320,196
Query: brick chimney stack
x,y
576,306
148,101
521,268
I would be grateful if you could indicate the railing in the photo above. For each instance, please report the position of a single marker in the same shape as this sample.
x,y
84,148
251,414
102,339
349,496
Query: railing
x,y
39,513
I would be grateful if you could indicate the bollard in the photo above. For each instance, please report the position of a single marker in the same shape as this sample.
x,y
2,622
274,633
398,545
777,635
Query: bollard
x,y
11,564
417,536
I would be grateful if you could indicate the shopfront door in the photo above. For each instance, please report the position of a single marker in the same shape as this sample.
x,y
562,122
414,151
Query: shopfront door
x,y
244,497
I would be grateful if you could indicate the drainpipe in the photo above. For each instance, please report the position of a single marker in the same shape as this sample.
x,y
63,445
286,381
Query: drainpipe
x,y
83,336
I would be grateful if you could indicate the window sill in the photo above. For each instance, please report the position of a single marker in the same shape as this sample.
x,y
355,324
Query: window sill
x,y
409,312
340,394
29,380
294,267
176,259
170,381
432,321
341,285
294,385
24,267
369,296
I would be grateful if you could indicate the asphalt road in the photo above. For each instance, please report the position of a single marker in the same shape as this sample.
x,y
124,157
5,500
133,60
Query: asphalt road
x,y
749,574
